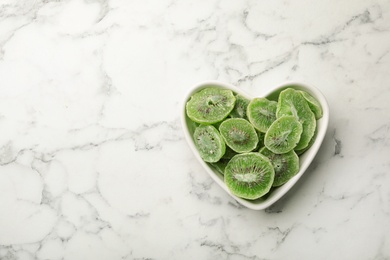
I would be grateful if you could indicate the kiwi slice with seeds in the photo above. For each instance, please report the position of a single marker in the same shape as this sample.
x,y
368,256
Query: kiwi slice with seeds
x,y
240,107
261,113
283,135
210,105
286,165
209,143
249,175
239,135
292,103
313,103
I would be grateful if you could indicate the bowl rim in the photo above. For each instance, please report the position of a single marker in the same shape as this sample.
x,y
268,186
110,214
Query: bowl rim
x,y
307,157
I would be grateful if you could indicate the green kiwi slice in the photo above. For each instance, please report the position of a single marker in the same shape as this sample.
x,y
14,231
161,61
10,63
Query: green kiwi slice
x,y
239,110
249,175
210,105
292,103
261,113
286,165
283,135
312,140
239,134
313,103
209,143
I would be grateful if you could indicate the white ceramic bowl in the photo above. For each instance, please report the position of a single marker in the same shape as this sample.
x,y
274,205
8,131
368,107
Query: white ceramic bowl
x,y
305,159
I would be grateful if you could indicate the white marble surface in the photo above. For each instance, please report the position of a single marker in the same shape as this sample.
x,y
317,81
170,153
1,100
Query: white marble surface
x,y
93,160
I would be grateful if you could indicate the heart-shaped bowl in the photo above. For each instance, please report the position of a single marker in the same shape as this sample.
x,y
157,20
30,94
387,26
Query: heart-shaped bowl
x,y
304,160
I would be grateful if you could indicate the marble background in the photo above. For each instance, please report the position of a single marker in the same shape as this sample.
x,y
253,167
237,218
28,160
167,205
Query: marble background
x,y
93,163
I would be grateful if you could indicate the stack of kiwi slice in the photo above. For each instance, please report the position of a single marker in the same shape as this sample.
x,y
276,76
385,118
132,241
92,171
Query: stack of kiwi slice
x,y
255,144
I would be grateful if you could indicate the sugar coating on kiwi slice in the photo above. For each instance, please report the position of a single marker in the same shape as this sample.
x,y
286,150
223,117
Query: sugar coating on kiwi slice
x,y
239,135
210,105
292,103
313,103
283,135
209,143
261,113
249,175
286,165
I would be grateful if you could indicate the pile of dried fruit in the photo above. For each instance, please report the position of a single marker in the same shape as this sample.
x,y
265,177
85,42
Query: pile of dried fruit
x,y
254,143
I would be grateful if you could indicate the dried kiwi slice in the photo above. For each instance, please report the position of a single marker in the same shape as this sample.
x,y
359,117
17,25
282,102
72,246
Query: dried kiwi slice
x,y
239,110
313,103
283,135
209,143
291,102
210,105
261,113
239,134
286,165
249,175
312,140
